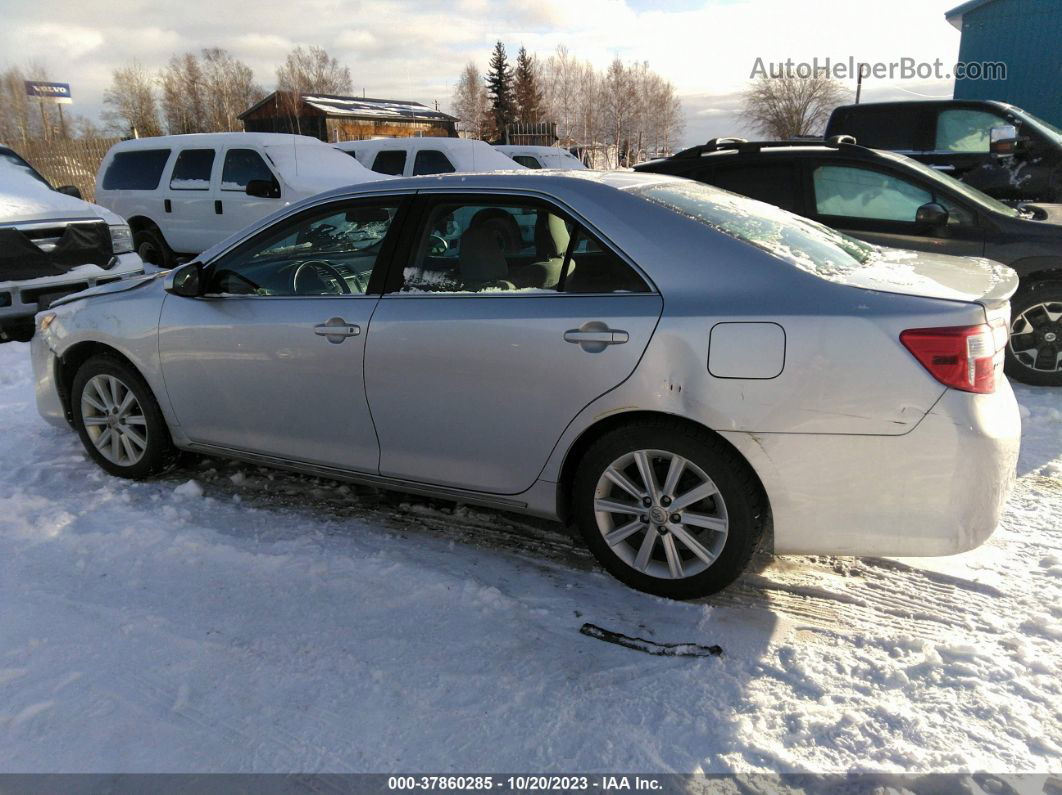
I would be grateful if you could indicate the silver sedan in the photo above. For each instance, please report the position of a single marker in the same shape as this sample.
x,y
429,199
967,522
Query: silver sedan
x,y
683,373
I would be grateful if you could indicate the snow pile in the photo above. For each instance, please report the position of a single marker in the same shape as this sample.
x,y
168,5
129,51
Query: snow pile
x,y
310,626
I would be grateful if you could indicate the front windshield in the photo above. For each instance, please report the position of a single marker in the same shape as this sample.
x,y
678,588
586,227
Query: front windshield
x,y
799,241
1046,127
956,186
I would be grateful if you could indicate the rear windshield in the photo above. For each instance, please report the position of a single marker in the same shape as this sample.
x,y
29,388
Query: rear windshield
x,y
140,169
799,241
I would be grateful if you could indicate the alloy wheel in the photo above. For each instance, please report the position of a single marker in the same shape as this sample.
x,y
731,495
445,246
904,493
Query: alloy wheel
x,y
1036,337
114,420
661,514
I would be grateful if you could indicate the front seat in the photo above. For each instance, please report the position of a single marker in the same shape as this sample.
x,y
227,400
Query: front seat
x,y
551,243
481,262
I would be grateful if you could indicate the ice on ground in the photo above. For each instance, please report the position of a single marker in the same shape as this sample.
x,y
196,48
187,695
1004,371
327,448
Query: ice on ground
x,y
307,628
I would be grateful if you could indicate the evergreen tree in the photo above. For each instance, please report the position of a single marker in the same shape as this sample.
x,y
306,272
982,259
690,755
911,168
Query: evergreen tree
x,y
526,88
500,89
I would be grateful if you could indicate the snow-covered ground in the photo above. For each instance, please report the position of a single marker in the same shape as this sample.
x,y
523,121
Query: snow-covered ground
x,y
228,618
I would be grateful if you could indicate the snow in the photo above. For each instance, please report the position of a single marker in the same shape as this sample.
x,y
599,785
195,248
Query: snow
x,y
231,618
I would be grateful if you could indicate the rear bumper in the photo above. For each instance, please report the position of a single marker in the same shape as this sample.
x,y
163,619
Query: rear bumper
x,y
21,300
937,490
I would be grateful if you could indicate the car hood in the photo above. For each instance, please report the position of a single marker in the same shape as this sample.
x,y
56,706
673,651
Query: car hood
x,y
932,275
23,200
120,286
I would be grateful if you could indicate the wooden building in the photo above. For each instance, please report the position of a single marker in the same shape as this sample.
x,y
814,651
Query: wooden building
x,y
332,118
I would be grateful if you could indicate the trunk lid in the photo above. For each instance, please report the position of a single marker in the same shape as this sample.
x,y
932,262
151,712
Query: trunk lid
x,y
972,279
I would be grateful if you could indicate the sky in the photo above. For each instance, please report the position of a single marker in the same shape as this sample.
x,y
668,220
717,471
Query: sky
x,y
416,50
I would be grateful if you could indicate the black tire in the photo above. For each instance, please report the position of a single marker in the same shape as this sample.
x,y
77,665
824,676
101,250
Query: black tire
x,y
158,453
151,246
743,506
1032,327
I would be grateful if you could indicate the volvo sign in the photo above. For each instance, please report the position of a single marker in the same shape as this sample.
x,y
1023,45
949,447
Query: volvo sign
x,y
49,92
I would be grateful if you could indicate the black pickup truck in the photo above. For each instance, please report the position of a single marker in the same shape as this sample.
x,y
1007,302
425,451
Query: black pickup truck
x,y
997,148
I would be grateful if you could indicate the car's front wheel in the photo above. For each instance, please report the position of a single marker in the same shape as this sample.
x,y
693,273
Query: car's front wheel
x,y
668,509
1034,354
118,419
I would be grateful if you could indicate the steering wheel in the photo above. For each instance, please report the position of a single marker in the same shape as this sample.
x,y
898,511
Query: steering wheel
x,y
437,245
320,268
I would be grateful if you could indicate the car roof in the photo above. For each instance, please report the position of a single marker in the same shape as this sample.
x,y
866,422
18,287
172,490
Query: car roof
x,y
732,150
219,139
538,150
899,103
435,142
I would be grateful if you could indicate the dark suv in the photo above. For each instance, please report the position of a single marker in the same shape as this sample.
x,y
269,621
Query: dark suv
x,y
891,200
1002,150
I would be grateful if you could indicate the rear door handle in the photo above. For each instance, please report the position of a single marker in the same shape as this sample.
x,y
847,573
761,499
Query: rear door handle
x,y
217,206
336,330
607,337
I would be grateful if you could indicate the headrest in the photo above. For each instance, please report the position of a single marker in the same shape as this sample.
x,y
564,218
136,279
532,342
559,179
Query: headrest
x,y
480,258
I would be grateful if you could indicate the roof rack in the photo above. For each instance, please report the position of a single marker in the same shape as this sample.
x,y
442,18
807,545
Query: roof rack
x,y
742,145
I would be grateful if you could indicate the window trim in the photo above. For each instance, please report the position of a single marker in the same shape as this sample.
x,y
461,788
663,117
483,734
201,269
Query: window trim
x,y
221,174
426,199
879,224
391,242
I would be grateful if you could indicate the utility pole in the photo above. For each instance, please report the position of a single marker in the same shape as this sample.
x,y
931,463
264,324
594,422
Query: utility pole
x,y
859,82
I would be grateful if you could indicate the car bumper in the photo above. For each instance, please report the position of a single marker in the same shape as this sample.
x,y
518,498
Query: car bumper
x,y
21,300
937,490
49,403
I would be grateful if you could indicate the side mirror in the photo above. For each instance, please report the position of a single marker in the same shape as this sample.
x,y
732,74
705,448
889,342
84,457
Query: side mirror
x,y
931,216
263,189
70,190
1003,140
185,280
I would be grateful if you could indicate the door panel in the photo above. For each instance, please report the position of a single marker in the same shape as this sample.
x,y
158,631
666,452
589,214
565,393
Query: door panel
x,y
474,391
241,165
191,190
254,374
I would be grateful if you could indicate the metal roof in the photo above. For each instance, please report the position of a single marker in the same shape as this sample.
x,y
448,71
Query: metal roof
x,y
955,15
363,108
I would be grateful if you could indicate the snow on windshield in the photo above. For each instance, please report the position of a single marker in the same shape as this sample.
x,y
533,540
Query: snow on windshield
x,y
318,164
806,244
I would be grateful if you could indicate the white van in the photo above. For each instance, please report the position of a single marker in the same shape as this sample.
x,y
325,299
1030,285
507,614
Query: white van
x,y
542,157
184,193
411,157
52,244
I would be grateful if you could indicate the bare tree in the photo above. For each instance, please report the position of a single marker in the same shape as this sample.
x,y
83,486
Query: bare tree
x,y
129,103
470,102
230,90
183,94
310,71
787,106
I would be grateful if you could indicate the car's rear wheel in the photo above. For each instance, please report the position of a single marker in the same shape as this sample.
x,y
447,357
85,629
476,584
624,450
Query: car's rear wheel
x,y
667,510
1034,354
118,419
151,246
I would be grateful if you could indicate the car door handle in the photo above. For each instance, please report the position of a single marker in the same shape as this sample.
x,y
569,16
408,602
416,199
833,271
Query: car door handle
x,y
336,329
605,337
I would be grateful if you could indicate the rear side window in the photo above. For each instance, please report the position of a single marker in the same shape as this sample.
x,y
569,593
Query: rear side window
x,y
390,161
140,169
895,128
527,161
192,170
242,166
432,161
963,130
774,184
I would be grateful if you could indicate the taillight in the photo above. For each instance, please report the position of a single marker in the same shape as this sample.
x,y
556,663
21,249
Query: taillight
x,y
962,357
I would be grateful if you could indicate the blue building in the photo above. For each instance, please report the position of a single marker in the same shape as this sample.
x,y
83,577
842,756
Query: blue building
x,y
1026,35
